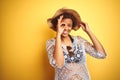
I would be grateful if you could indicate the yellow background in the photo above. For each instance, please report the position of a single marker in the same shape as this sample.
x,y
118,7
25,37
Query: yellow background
x,y
24,32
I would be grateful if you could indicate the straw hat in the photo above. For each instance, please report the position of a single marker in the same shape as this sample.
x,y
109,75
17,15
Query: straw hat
x,y
69,11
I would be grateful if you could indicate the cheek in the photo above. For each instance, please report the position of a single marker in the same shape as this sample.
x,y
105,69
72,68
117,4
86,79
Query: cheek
x,y
70,28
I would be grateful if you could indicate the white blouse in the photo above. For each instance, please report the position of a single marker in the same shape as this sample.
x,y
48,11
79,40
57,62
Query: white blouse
x,y
74,67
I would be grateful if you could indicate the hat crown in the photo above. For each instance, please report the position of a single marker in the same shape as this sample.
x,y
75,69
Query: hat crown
x,y
69,11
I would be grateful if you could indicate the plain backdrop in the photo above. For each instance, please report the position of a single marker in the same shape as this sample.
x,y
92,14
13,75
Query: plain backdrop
x,y
24,32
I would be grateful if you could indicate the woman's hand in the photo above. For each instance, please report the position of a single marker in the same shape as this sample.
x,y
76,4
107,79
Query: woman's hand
x,y
85,27
60,28
96,43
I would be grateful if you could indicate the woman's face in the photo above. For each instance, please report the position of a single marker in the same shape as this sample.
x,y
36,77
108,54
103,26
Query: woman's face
x,y
67,24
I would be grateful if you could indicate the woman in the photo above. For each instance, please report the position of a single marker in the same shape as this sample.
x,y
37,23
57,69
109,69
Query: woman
x,y
67,53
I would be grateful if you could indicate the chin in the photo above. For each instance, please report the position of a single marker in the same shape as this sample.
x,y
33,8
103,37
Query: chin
x,y
65,35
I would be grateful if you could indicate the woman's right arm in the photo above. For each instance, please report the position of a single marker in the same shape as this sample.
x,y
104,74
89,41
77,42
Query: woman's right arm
x,y
58,53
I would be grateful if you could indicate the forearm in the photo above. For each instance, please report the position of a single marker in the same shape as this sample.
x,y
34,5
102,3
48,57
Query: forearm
x,y
96,44
58,53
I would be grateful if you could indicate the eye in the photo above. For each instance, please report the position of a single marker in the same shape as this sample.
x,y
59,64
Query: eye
x,y
62,24
69,25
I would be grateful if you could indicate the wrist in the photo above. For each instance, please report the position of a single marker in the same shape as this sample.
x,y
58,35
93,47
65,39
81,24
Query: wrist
x,y
58,34
88,31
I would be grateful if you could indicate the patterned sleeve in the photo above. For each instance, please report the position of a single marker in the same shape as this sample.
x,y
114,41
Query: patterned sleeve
x,y
91,50
50,49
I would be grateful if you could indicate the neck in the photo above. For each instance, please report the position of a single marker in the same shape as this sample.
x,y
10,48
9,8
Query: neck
x,y
66,40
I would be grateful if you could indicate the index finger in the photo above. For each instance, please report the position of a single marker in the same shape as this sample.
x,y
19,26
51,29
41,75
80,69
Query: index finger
x,y
60,19
83,23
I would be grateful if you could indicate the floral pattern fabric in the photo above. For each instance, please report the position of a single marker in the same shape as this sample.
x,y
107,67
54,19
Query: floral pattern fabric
x,y
74,67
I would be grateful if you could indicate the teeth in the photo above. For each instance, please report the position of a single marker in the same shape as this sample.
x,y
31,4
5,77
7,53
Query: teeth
x,y
65,32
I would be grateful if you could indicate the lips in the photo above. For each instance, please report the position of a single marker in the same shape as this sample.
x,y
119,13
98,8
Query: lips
x,y
65,32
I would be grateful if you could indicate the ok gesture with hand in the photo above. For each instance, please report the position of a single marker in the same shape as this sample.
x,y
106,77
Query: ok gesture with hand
x,y
60,28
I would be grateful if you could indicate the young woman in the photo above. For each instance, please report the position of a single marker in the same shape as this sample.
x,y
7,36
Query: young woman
x,y
67,53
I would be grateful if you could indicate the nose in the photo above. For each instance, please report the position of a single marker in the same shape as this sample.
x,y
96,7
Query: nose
x,y
65,27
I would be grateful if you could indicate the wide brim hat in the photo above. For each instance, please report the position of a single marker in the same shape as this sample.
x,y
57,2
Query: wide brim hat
x,y
66,10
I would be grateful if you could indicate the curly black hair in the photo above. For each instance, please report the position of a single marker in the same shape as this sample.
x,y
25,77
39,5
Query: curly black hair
x,y
65,15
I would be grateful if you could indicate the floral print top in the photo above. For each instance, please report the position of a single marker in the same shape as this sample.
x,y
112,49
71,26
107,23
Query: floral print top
x,y
74,67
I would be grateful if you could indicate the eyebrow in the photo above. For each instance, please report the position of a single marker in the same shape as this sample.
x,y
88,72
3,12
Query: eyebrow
x,y
69,24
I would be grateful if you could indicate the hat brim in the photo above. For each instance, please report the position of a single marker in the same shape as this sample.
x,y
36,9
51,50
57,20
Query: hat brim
x,y
65,10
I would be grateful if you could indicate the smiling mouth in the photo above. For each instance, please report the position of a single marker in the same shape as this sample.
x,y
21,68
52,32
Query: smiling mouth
x,y
65,32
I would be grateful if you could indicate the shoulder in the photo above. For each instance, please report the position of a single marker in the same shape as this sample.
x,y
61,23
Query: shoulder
x,y
50,41
79,38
